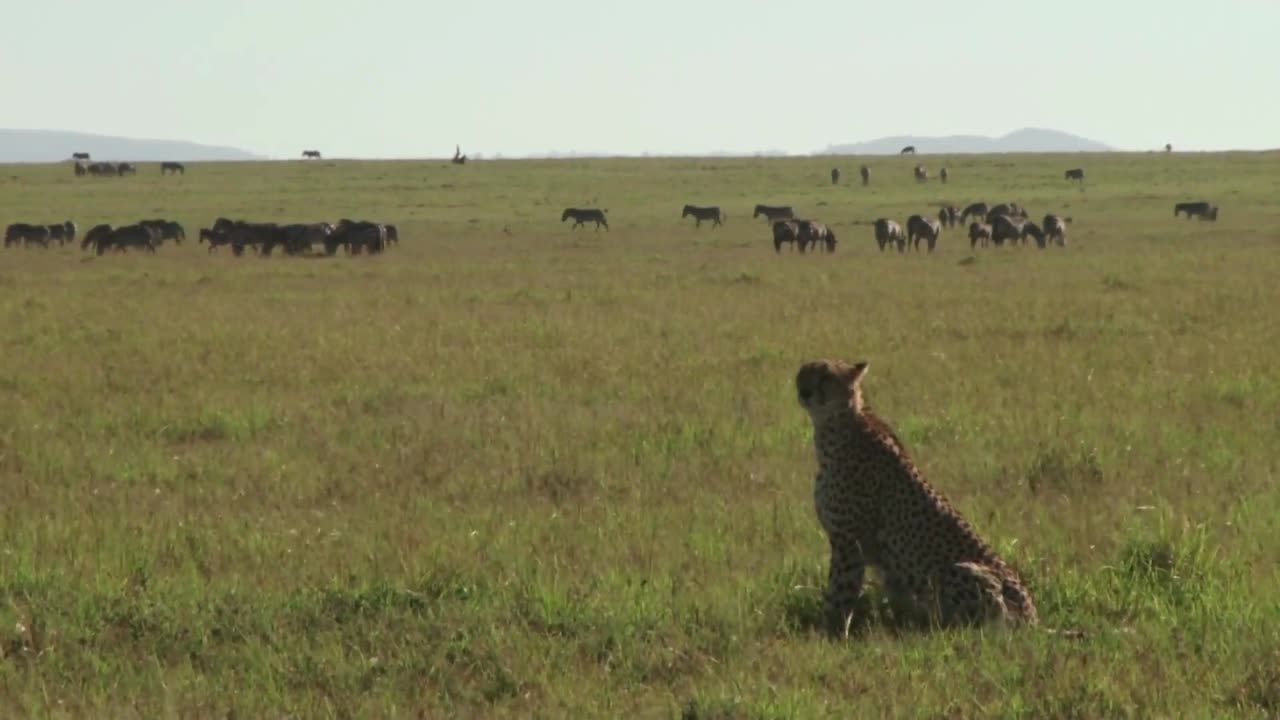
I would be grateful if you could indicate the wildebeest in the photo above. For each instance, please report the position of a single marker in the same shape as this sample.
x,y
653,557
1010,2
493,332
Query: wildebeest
x,y
921,173
908,150
79,156
865,172
102,168
126,237
1032,230
125,168
27,234
172,167
889,231
948,215
165,230
943,174
1011,209
1168,147
298,238
1006,227
920,227
1055,229
772,213
310,154
95,237
585,215
699,214
393,234
785,231
81,169
1202,209
216,238
1074,174
357,236
979,232
811,233
978,210
458,157
835,176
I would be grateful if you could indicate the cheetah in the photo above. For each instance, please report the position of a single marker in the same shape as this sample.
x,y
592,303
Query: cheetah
x,y
876,508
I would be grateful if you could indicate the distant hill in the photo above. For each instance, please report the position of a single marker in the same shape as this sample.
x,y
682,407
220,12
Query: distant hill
x,y
1026,140
19,146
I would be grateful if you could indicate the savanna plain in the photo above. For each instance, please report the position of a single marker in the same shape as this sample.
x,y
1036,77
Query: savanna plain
x,y
509,469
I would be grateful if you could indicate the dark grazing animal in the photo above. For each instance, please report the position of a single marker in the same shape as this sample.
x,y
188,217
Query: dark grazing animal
x,y
27,234
979,232
811,233
1168,147
393,235
978,210
310,154
1055,229
79,156
889,231
1074,174
1005,227
865,172
1032,230
129,236
711,214
773,213
943,174
125,168
921,174
920,227
81,169
785,231
165,230
95,237
908,150
458,157
949,215
835,176
1202,209
102,168
172,167
585,215
1011,209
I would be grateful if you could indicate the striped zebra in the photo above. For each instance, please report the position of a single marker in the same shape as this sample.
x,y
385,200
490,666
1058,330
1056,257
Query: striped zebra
x,y
890,232
585,215
773,213
1203,209
785,231
711,214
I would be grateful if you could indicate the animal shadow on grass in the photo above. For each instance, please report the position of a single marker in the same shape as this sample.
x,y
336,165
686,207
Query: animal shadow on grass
x,y
803,613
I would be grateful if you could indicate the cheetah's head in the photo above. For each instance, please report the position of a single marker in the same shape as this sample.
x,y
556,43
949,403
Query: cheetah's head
x,y
826,386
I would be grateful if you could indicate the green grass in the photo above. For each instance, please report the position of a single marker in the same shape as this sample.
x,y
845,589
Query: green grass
x,y
537,472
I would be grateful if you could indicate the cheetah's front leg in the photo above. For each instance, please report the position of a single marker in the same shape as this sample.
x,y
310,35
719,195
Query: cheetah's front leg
x,y
844,585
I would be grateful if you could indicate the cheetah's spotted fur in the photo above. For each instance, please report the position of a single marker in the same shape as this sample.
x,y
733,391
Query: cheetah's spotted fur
x,y
877,509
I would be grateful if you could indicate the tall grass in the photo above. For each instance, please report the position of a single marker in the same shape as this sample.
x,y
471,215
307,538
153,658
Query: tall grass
x,y
510,470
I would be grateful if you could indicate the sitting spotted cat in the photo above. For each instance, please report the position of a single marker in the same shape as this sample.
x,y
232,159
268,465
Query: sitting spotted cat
x,y
877,509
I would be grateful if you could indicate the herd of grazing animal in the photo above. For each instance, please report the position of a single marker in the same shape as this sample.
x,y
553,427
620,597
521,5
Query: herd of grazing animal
x,y
109,169
355,236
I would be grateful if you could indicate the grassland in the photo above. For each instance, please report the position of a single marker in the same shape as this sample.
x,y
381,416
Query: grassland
x,y
510,470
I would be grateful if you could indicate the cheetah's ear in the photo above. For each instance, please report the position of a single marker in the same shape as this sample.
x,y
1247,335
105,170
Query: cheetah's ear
x,y
856,372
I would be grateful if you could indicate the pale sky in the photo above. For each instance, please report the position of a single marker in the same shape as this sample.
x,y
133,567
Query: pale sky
x,y
410,78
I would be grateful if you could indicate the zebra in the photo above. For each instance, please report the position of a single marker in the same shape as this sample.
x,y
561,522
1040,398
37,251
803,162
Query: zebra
x,y
811,233
172,167
585,215
978,209
949,215
1006,227
1055,228
699,214
979,231
921,174
772,213
785,231
918,227
888,231
1202,209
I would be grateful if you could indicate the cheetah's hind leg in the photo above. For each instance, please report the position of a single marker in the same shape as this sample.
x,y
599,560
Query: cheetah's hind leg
x,y
969,594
